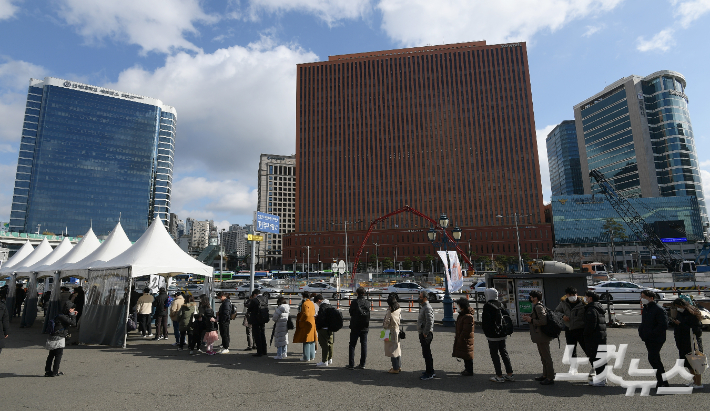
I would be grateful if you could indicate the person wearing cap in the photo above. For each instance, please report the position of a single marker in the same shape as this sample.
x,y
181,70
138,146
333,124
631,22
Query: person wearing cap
x,y
175,307
492,323
145,307
62,322
463,339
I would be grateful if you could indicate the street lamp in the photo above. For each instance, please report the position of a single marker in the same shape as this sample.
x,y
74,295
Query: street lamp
x,y
517,236
221,252
377,259
444,242
308,263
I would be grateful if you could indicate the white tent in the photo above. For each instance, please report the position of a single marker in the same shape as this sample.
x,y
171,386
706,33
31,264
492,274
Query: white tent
x,y
17,258
83,248
156,253
116,243
60,251
42,250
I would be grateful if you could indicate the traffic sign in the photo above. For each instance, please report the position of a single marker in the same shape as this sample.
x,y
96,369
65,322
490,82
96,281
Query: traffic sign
x,y
341,267
252,237
267,222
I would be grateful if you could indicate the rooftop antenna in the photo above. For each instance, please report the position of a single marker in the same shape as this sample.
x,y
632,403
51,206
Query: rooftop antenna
x,y
119,216
91,223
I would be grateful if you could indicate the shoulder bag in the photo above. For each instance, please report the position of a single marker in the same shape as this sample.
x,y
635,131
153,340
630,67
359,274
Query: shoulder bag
x,y
697,360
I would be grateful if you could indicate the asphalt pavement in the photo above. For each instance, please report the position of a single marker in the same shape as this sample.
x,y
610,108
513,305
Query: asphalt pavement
x,y
149,374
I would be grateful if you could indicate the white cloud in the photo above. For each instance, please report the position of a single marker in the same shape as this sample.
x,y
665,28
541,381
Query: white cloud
x,y
593,29
7,9
200,198
328,10
14,81
662,41
544,164
418,22
689,11
159,26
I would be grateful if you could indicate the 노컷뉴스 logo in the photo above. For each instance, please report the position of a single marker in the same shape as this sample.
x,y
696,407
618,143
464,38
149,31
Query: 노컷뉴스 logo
x,y
67,84
609,352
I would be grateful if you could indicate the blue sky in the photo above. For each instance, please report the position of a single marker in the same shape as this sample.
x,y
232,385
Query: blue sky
x,y
229,66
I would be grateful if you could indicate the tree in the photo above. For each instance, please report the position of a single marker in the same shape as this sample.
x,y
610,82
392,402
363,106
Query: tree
x,y
387,263
545,258
407,264
429,260
484,260
502,261
614,230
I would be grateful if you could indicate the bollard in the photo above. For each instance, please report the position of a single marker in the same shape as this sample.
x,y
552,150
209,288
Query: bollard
x,y
379,301
338,303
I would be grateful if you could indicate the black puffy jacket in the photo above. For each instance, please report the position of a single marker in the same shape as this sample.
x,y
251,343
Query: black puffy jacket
x,y
225,311
360,314
491,317
594,323
322,317
687,322
64,320
654,324
159,304
207,323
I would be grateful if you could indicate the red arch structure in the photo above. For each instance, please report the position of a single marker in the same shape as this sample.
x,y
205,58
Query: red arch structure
x,y
404,209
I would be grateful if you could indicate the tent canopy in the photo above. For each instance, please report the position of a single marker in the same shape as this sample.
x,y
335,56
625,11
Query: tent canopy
x,y
42,250
64,247
17,258
84,247
156,253
116,243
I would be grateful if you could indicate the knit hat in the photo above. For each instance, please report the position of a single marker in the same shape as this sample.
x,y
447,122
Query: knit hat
x,y
491,294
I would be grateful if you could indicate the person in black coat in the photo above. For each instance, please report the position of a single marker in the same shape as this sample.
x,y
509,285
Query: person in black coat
x,y
62,322
79,300
594,332
20,295
687,320
161,315
224,316
4,324
493,328
359,326
652,331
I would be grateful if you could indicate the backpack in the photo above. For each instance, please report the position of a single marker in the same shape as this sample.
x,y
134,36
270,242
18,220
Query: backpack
x,y
263,313
233,313
506,322
334,320
51,324
169,301
554,325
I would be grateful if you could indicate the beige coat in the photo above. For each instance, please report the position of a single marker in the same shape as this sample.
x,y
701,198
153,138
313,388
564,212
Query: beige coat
x,y
175,307
539,318
392,321
145,304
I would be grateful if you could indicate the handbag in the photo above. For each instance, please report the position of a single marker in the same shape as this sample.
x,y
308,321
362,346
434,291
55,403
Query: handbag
x,y
385,335
131,325
402,335
697,360
289,323
54,342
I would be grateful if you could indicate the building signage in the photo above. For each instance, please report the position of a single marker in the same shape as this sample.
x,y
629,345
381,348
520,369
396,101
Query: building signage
x,y
679,94
107,92
674,240
275,158
511,45
268,223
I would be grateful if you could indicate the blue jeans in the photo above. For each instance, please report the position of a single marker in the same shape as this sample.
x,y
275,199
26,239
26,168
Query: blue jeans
x,y
309,350
282,351
176,331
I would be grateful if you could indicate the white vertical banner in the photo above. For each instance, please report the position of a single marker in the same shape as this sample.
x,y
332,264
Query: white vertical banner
x,y
456,276
442,255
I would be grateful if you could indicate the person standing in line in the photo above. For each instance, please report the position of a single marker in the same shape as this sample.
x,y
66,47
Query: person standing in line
x,y
145,307
280,318
325,337
258,317
306,328
225,317
57,338
572,309
392,323
494,330
594,333
64,295
79,300
20,295
359,327
185,319
652,332
175,307
4,323
425,328
537,320
247,325
687,320
463,339
161,315
209,323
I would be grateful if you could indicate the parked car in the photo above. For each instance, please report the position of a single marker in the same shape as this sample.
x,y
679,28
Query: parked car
x,y
244,289
622,290
409,290
325,289
477,289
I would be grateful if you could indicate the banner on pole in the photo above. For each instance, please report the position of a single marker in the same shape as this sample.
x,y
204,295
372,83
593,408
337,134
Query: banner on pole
x,y
454,276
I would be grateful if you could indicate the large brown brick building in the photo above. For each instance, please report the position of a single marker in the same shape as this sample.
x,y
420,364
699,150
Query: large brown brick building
x,y
444,129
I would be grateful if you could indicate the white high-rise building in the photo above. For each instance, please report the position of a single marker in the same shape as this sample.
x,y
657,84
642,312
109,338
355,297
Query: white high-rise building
x,y
277,195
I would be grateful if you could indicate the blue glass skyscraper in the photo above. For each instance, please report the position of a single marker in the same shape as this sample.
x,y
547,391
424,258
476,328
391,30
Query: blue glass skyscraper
x,y
563,160
89,155
637,132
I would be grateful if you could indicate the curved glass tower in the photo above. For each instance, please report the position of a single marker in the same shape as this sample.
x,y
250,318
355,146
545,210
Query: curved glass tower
x,y
637,132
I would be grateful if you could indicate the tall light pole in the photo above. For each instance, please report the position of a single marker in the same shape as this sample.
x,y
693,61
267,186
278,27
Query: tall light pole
x,y
221,252
308,263
377,259
448,320
347,266
517,236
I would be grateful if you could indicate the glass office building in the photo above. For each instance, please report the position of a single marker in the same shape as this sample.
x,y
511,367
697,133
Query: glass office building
x,y
580,219
89,156
637,132
563,160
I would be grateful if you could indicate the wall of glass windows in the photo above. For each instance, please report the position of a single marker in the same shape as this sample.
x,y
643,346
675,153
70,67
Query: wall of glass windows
x,y
580,219
563,160
89,158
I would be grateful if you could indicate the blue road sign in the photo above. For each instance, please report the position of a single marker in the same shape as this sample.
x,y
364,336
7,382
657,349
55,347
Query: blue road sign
x,y
267,223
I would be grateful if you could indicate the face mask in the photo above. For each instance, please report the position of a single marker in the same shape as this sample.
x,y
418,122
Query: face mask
x,y
420,301
680,310
572,299
644,301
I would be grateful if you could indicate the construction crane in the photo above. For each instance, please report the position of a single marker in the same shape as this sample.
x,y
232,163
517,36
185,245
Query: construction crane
x,y
644,231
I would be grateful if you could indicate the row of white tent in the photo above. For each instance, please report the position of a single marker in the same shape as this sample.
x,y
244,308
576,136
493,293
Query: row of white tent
x,y
155,252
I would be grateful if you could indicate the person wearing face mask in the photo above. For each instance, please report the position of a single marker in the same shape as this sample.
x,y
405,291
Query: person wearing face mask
x,y
652,331
687,320
572,309
594,332
537,319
